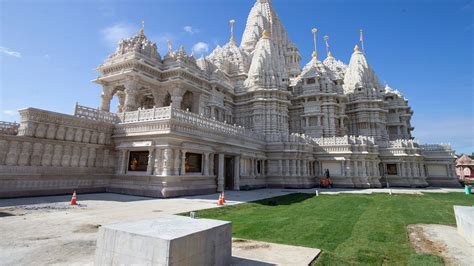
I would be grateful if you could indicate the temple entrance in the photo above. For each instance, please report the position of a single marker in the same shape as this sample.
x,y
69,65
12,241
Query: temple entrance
x,y
228,173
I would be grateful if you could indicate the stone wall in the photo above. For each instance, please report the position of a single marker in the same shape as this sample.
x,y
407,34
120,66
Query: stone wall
x,y
54,154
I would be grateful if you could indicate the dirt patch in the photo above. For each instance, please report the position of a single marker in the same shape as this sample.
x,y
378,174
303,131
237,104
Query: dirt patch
x,y
421,243
87,228
248,245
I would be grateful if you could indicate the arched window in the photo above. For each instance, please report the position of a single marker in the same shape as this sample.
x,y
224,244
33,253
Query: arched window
x,y
187,102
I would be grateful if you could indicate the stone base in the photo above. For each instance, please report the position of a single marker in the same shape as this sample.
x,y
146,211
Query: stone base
x,y
465,221
51,184
170,240
443,181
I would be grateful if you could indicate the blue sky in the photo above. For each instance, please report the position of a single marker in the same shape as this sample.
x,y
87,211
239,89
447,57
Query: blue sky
x,y
49,48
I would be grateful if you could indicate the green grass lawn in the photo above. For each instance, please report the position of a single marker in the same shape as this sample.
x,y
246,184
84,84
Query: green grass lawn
x,y
350,229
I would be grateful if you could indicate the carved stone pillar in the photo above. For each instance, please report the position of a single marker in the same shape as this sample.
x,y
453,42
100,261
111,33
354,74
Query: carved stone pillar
x,y
149,168
106,97
206,164
280,168
237,173
211,164
167,162
131,92
183,162
220,174
158,163
176,161
356,168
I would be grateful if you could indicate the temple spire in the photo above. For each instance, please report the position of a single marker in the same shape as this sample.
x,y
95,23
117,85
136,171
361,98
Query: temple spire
x,y
315,52
232,21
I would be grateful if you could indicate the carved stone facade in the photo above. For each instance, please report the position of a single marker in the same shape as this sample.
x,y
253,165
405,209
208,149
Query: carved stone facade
x,y
244,117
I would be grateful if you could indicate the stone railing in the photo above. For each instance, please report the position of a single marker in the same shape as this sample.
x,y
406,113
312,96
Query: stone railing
x,y
399,143
144,115
436,147
187,118
9,128
94,114
293,138
213,125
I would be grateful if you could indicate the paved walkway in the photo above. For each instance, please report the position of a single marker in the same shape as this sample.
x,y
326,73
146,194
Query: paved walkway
x,y
46,230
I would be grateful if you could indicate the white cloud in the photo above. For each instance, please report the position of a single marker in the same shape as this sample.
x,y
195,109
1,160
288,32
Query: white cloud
x,y
10,52
190,30
112,34
200,48
10,112
47,56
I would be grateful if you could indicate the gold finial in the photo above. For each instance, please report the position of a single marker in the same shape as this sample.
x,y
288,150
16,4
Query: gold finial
x,y
265,33
329,54
356,48
232,21
142,30
315,52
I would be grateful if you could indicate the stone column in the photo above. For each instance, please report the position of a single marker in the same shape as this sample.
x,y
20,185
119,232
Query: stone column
x,y
280,168
158,159
106,97
123,163
176,161
149,168
211,164
237,173
131,91
206,163
356,168
183,162
220,174
287,167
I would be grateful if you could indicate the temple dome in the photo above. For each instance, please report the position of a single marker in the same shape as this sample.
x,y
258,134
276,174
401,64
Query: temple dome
x,y
359,74
266,68
230,58
337,67
138,43
316,69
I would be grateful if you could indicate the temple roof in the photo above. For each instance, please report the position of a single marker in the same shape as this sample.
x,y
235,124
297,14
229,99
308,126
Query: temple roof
x,y
337,67
359,74
138,43
266,67
316,68
230,58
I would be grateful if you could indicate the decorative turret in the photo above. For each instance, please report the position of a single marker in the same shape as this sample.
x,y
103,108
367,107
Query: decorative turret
x,y
138,43
266,68
337,67
359,74
263,17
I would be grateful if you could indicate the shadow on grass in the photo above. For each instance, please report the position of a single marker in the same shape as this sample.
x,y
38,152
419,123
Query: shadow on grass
x,y
284,200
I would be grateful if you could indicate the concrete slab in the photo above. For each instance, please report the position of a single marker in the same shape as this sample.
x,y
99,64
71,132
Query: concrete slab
x,y
465,222
256,253
168,240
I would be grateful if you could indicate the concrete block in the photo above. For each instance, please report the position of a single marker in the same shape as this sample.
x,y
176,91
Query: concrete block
x,y
169,240
465,222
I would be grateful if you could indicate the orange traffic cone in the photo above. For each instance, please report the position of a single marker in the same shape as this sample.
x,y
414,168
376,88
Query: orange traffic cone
x,y
73,199
223,197
219,202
